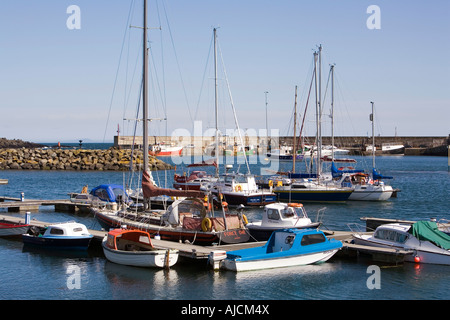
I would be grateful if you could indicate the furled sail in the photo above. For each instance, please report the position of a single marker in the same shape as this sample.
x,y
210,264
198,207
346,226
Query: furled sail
x,y
150,190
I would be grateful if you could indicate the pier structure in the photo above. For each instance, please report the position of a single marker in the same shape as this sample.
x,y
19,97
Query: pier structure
x,y
196,252
197,145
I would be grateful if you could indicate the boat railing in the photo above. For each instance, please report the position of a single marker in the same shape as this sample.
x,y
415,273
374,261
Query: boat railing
x,y
320,214
444,225
358,228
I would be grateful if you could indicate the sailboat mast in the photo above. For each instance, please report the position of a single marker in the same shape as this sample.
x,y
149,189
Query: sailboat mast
x,y
317,116
332,113
373,137
319,144
216,103
294,147
145,91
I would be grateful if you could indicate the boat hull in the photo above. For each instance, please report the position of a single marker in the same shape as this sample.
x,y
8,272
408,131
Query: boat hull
x,y
166,152
11,230
253,199
372,193
303,195
259,233
176,234
154,258
75,243
281,262
423,256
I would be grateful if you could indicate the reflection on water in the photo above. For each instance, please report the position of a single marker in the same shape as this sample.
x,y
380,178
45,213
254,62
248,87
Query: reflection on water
x,y
28,273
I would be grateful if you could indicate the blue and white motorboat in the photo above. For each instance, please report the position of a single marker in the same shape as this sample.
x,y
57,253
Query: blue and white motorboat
x,y
66,235
285,248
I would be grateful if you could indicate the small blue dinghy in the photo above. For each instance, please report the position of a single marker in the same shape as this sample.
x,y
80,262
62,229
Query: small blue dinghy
x,y
285,248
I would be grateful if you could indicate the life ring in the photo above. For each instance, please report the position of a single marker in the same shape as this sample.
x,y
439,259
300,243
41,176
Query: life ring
x,y
280,183
207,205
206,224
238,188
270,183
295,205
244,219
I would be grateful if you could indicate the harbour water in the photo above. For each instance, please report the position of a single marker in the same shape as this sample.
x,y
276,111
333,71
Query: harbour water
x,y
424,183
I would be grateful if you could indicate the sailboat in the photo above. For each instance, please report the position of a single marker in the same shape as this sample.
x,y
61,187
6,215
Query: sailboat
x,y
190,217
371,187
235,188
317,190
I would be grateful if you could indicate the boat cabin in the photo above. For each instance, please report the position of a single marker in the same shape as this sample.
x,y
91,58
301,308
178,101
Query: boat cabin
x,y
236,182
283,213
288,238
68,229
128,240
392,233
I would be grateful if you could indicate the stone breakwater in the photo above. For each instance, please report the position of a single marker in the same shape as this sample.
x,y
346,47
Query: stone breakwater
x,y
58,159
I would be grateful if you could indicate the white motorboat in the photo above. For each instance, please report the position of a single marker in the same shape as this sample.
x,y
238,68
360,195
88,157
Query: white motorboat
x,y
66,235
134,248
427,243
365,188
278,216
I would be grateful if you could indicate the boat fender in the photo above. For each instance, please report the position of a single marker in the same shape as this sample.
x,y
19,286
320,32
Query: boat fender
x,y
206,224
244,219
238,188
280,183
270,183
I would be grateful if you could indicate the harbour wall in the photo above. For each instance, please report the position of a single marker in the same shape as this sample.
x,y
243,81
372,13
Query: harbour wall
x,y
111,159
432,145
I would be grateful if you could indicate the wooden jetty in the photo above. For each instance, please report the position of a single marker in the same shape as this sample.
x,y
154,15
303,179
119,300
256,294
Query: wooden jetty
x,y
196,252
19,205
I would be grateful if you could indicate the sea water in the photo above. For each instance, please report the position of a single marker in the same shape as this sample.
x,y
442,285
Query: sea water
x,y
35,274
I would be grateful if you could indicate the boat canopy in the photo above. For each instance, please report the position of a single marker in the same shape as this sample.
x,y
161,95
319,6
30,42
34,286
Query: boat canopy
x,y
377,176
110,192
428,231
338,172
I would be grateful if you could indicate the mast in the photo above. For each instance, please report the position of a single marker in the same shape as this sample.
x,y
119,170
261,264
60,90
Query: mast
x,y
145,91
294,149
216,102
332,113
317,115
319,144
267,124
373,137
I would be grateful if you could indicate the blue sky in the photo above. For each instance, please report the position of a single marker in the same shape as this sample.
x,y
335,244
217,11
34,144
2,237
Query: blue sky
x,y
58,84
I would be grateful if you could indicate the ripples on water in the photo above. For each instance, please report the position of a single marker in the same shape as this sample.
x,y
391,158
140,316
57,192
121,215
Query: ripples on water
x,y
35,274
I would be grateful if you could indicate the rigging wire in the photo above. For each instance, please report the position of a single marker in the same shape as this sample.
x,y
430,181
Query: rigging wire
x,y
234,110
177,61
117,72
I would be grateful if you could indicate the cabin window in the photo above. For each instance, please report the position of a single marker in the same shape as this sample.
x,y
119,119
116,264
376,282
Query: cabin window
x,y
273,214
56,231
102,194
144,239
391,235
118,192
78,229
288,212
308,239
